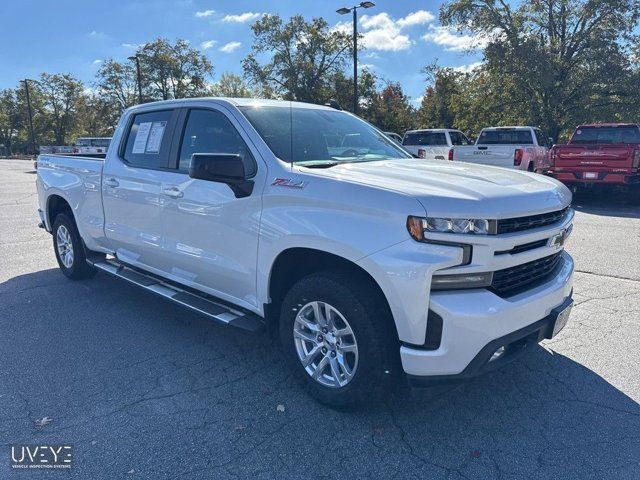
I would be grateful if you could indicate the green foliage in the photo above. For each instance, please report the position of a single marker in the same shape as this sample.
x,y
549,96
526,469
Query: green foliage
x,y
390,109
557,62
173,70
304,56
231,85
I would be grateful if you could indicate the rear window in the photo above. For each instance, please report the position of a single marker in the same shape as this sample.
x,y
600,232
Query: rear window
x,y
505,137
425,138
593,135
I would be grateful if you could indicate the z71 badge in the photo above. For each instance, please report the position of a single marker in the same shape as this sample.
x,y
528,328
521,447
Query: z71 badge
x,y
287,182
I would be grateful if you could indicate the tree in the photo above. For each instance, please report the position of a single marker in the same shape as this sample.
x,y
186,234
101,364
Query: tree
x,y
117,83
173,70
562,61
231,85
9,119
96,116
390,109
61,93
304,57
436,108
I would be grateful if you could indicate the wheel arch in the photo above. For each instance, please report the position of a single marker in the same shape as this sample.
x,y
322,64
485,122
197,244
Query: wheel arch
x,y
295,263
57,204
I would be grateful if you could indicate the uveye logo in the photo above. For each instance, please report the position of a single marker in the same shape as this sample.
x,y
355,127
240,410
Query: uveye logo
x,y
41,456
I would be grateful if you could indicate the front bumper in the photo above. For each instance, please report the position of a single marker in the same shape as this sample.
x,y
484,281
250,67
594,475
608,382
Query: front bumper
x,y
475,320
515,344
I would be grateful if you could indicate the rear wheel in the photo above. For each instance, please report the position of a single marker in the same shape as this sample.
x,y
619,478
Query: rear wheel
x,y
69,249
338,338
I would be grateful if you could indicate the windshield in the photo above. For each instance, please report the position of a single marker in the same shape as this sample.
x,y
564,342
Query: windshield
x,y
505,137
318,137
595,135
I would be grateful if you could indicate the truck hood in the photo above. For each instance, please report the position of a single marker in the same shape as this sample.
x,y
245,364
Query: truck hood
x,y
454,189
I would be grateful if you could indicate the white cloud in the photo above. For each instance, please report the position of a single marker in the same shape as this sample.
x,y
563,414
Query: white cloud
x,y
132,46
230,47
467,68
207,44
381,32
454,42
241,18
96,34
205,13
421,17
97,62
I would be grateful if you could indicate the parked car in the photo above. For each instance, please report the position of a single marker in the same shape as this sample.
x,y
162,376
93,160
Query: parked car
x,y
604,154
434,143
367,262
395,137
524,148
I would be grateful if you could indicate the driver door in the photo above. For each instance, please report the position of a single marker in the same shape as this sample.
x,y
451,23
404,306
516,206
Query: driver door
x,y
211,236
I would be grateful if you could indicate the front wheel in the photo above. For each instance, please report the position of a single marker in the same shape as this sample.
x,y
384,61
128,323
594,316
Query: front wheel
x,y
69,249
338,338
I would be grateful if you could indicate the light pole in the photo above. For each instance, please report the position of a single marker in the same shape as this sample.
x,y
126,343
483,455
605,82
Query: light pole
x,y
33,138
354,10
136,59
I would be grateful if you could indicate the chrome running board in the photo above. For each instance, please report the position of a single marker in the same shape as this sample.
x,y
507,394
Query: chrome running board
x,y
198,303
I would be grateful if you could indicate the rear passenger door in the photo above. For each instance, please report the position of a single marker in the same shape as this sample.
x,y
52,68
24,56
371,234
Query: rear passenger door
x,y
212,236
132,195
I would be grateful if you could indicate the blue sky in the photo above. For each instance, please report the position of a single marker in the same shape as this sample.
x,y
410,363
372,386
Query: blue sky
x,y
74,36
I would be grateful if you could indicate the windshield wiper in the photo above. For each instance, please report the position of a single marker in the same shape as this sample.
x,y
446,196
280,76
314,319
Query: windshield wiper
x,y
320,165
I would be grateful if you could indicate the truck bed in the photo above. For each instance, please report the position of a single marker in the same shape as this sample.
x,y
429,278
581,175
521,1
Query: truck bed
x,y
78,179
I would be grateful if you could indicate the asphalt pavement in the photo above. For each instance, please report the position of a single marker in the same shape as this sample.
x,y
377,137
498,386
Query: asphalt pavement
x,y
144,389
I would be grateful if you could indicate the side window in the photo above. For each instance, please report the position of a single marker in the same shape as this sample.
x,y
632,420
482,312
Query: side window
x,y
149,140
457,138
542,140
209,131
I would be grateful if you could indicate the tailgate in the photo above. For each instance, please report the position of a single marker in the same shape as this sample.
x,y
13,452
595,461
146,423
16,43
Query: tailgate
x,y
499,156
590,156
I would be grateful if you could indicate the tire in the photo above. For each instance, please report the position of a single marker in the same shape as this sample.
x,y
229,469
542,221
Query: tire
x,y
69,249
355,306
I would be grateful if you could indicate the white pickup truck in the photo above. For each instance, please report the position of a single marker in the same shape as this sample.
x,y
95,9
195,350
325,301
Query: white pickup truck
x,y
368,263
525,148
434,143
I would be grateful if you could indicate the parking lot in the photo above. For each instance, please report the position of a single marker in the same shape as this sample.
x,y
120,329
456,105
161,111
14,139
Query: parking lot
x,y
144,389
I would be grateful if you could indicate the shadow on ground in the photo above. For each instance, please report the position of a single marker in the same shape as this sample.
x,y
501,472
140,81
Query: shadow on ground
x,y
144,389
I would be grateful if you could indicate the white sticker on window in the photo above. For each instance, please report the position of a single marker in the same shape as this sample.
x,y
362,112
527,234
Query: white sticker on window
x,y
142,135
155,137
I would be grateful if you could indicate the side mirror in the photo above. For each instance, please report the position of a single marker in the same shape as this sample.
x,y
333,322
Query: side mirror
x,y
225,168
550,140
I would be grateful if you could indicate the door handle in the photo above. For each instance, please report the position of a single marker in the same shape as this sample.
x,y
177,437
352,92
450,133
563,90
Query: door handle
x,y
111,182
173,192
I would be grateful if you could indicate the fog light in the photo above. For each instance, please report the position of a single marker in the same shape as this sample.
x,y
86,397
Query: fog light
x,y
497,354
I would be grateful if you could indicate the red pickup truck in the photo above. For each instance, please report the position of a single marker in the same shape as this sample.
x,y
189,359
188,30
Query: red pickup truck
x,y
599,154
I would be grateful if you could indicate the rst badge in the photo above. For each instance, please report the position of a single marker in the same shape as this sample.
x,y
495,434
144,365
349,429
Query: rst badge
x,y
41,456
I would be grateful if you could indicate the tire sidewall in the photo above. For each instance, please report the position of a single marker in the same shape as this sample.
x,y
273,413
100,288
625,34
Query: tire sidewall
x,y
78,254
371,358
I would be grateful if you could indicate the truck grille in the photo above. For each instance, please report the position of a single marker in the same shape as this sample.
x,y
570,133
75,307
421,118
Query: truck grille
x,y
510,281
509,225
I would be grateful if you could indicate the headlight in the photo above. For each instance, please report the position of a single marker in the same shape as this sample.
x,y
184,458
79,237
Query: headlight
x,y
418,225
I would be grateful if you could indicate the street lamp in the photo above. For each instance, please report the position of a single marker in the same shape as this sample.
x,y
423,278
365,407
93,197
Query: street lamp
x,y
33,137
344,11
136,58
